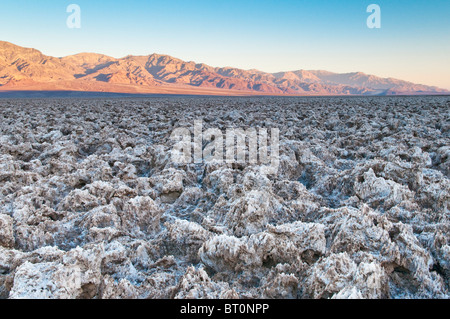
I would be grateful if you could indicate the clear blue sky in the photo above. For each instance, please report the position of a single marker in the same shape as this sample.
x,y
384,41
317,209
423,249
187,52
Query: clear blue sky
x,y
413,43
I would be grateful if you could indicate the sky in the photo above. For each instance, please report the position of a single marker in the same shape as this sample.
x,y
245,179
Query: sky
x,y
412,44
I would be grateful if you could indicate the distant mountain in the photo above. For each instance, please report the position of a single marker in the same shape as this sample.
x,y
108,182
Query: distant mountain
x,y
29,69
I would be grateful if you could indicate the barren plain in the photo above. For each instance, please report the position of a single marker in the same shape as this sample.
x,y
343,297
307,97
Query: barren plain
x,y
91,205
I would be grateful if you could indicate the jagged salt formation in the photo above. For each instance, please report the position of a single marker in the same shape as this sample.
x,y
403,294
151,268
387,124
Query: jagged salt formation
x,y
91,205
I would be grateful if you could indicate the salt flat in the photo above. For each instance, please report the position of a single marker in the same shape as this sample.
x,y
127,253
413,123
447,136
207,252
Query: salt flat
x,y
92,206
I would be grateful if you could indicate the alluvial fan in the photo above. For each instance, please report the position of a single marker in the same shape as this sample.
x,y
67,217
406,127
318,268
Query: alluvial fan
x,y
93,206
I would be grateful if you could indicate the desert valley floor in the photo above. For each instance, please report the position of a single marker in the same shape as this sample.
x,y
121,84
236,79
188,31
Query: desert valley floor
x,y
91,205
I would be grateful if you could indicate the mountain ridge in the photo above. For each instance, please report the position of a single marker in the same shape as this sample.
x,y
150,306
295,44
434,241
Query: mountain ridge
x,y
29,69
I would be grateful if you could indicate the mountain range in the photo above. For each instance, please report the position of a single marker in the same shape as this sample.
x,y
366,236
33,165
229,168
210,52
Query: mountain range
x,y
26,69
